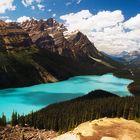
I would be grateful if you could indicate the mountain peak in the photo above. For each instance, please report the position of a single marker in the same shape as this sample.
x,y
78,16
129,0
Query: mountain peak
x,y
2,23
77,35
51,22
68,34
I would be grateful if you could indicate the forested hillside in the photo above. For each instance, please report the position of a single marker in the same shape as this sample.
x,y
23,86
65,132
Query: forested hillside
x,y
66,115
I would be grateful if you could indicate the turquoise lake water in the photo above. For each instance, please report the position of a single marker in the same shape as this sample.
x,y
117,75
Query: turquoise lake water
x,y
25,100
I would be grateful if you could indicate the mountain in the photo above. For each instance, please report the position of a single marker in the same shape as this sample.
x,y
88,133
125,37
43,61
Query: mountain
x,y
41,51
33,66
54,37
130,58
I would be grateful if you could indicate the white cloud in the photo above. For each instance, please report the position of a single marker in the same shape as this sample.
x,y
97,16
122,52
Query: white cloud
x,y
38,1
8,20
4,17
54,15
49,10
6,5
41,7
27,2
79,1
33,4
68,3
23,19
133,23
106,29
33,7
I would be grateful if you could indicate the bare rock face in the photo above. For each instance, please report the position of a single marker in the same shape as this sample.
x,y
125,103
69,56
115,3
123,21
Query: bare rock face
x,y
34,27
51,35
13,36
81,46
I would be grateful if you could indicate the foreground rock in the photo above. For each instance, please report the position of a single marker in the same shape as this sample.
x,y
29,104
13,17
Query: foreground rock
x,y
25,133
104,129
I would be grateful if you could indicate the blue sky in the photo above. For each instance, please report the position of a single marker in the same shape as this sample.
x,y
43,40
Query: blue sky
x,y
60,7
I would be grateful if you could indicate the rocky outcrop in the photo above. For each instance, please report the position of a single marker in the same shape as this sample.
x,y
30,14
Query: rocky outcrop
x,y
13,36
104,129
25,133
34,27
101,129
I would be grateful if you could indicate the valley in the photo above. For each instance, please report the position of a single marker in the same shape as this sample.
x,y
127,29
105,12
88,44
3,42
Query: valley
x,y
60,80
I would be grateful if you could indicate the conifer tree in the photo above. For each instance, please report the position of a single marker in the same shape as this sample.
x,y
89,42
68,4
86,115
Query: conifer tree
x,y
3,120
14,119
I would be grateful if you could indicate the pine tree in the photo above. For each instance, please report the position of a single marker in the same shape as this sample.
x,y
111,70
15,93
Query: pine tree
x,y
131,114
3,120
14,119
125,111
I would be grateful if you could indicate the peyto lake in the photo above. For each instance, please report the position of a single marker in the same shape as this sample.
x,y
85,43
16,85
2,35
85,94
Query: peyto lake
x,y
25,100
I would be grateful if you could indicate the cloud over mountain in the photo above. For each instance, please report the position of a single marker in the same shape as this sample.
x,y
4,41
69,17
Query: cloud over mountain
x,y
107,29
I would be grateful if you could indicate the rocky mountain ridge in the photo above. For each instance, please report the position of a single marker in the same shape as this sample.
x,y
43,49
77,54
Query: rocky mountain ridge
x,y
54,37
51,55
130,58
50,34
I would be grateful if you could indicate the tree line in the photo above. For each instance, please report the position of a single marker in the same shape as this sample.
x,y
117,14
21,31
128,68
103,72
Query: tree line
x,y
66,115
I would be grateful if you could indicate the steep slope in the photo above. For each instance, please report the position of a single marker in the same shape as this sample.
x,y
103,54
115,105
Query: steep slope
x,y
37,52
33,66
19,69
54,37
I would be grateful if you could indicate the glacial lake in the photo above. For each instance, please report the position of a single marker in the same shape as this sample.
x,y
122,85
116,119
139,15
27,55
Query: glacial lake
x,y
27,99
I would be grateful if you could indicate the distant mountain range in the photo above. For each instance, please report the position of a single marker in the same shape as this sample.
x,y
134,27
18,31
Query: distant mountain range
x,y
41,51
131,58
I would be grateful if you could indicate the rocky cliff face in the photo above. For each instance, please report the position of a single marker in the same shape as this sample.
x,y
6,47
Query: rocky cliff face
x,y
13,36
52,36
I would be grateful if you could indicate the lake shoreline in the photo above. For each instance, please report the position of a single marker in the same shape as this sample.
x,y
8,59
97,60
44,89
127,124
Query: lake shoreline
x,y
39,96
